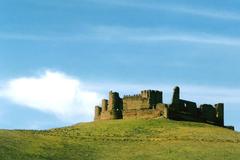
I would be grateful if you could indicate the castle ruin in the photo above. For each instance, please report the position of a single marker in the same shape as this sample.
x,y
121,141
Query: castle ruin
x,y
149,104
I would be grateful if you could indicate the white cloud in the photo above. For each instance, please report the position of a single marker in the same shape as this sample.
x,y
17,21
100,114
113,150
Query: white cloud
x,y
52,92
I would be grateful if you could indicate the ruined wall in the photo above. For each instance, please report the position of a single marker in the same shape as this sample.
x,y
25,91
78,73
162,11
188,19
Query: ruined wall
x,y
182,109
141,114
189,107
163,110
208,113
188,111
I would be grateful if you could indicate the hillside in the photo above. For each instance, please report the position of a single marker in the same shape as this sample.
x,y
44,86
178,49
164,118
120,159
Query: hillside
x,y
123,139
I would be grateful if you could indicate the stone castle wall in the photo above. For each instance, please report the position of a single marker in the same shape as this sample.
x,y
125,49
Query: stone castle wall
x,y
141,114
135,102
149,104
148,99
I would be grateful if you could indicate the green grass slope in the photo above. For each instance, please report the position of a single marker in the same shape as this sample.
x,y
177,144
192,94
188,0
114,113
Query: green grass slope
x,y
124,140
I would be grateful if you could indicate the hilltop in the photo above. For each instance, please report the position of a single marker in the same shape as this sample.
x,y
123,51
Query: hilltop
x,y
123,139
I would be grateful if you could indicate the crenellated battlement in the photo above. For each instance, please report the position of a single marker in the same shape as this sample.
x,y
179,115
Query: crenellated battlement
x,y
135,96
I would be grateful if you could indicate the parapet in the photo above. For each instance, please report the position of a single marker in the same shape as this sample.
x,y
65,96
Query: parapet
x,y
136,96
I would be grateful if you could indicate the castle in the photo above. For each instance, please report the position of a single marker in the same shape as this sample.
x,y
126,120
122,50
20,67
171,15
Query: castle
x,y
149,104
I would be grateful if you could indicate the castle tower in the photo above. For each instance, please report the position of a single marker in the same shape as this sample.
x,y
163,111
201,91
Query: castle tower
x,y
155,97
115,105
113,98
176,95
98,111
104,105
220,113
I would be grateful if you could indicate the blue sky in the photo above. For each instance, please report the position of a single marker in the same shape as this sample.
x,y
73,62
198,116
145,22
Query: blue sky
x,y
84,48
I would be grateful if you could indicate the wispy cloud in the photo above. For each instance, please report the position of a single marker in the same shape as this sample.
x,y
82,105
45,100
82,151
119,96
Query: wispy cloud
x,y
131,35
41,37
184,9
179,8
155,35
21,36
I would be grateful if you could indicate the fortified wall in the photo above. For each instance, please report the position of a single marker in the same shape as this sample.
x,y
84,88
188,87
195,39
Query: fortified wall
x,y
149,104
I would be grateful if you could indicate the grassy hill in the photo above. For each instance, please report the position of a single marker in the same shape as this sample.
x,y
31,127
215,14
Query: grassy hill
x,y
124,140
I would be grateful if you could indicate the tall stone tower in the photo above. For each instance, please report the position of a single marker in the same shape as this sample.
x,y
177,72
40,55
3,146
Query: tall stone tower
x,y
176,95
98,110
115,105
104,105
220,113
154,97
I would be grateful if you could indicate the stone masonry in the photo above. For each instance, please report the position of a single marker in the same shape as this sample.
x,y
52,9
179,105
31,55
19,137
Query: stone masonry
x,y
149,104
